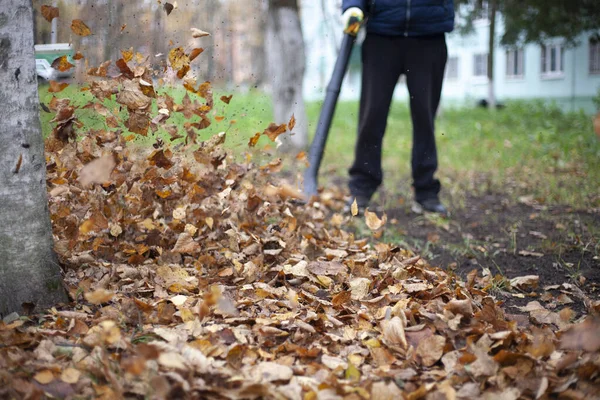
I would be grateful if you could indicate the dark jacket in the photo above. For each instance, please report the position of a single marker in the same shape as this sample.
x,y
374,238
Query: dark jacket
x,y
406,17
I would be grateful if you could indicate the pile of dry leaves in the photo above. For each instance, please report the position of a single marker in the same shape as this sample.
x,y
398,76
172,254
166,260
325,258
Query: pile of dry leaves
x,y
192,276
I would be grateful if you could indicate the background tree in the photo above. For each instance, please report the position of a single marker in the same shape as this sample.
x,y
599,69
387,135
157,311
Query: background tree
x,y
528,21
286,65
29,273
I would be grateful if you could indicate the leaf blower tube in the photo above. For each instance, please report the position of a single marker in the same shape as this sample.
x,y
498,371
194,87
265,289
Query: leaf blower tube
x,y
353,19
317,147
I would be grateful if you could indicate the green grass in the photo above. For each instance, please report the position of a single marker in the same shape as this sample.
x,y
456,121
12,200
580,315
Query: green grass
x,y
526,148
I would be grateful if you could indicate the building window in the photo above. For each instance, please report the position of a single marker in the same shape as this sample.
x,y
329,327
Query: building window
x,y
553,60
480,65
594,56
515,63
452,69
482,11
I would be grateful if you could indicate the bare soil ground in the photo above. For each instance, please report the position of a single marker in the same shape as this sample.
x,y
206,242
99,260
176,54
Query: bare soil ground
x,y
511,238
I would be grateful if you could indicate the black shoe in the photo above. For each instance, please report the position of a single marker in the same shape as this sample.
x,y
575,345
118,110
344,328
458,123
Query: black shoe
x,y
361,201
430,205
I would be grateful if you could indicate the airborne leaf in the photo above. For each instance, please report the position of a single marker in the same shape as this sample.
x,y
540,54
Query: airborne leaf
x,y
273,131
49,13
198,33
195,53
62,64
80,28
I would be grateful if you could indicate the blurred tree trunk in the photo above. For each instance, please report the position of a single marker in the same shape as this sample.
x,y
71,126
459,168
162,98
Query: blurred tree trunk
x,y
113,33
29,272
286,64
493,10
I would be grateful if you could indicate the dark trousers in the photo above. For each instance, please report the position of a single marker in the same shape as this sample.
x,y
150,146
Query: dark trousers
x,y
384,59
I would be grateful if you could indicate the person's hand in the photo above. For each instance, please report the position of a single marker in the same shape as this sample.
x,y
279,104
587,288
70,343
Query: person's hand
x,y
352,19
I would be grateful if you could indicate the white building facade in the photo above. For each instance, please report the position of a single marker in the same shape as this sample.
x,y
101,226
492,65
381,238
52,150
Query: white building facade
x,y
554,72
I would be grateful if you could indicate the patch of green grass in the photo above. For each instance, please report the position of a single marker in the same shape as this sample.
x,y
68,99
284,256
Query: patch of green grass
x,y
526,148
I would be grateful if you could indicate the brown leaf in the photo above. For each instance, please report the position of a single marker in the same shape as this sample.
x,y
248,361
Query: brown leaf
x,y
97,171
254,139
124,68
583,336
525,282
462,307
386,391
161,159
99,296
326,267
78,56
431,349
62,64
393,333
292,123
56,87
342,298
168,7
227,99
195,53
80,28
274,130
186,244
19,163
49,13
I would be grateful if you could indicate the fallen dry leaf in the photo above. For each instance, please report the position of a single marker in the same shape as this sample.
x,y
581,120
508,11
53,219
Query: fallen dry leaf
x,y
99,296
430,350
525,282
70,375
97,171
583,336
393,332
44,377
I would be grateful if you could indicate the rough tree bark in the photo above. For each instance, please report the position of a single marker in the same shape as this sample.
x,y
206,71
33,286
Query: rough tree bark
x,y
286,64
29,273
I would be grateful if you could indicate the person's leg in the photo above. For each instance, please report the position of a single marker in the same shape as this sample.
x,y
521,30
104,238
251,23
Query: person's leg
x,y
425,64
381,67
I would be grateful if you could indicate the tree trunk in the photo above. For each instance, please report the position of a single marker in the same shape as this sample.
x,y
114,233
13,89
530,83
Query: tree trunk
x,y
29,273
493,8
54,24
286,64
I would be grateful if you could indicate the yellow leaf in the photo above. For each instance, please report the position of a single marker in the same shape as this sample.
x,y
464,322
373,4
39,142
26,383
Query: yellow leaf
x,y
99,296
354,208
373,221
352,373
70,375
372,343
209,221
44,377
80,28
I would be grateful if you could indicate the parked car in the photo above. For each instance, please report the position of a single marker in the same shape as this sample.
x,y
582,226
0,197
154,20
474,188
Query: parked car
x,y
45,72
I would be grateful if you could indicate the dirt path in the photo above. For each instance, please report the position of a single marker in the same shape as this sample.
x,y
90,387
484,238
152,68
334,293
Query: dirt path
x,y
508,239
